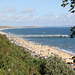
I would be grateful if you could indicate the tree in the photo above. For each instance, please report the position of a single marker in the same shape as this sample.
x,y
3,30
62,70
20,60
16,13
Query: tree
x,y
71,3
72,32
56,66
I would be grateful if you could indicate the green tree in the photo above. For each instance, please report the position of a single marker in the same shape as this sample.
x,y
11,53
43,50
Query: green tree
x,y
56,66
71,3
72,32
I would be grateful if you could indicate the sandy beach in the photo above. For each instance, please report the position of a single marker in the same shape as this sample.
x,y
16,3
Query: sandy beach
x,y
38,50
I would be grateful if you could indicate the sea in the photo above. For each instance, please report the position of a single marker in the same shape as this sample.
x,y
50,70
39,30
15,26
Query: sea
x,y
62,44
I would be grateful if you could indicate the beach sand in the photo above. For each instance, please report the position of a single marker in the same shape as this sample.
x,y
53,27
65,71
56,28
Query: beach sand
x,y
39,50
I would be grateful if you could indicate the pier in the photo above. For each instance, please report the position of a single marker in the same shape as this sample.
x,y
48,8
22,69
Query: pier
x,y
50,36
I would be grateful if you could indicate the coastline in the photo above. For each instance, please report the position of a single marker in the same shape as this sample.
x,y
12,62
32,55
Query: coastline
x,y
39,50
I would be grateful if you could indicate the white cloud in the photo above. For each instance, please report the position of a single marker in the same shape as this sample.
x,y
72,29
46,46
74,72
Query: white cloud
x,y
61,20
7,10
28,10
49,14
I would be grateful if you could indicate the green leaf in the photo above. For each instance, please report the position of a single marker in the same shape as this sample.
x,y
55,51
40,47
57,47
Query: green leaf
x,y
71,8
65,0
62,4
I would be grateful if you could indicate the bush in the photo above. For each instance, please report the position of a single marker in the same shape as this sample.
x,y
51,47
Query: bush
x,y
14,60
55,66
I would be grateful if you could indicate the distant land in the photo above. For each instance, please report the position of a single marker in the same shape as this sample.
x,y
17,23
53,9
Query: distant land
x,y
6,27
20,27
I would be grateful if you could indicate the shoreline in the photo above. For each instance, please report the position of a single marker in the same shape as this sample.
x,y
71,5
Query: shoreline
x,y
55,47
40,50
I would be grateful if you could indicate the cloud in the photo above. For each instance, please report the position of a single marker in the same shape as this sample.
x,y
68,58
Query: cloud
x,y
9,10
28,10
49,14
18,20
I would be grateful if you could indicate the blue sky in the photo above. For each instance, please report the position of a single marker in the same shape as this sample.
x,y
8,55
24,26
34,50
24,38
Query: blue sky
x,y
35,13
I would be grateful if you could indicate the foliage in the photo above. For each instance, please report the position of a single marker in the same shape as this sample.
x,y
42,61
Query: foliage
x,y
71,3
14,60
72,32
55,66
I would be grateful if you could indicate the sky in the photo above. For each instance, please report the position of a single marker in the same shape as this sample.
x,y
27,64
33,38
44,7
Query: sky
x,y
47,13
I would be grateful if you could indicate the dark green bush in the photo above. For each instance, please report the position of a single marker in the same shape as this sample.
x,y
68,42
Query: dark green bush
x,y
55,66
14,60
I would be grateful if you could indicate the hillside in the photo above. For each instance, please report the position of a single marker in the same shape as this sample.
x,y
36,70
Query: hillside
x,y
14,60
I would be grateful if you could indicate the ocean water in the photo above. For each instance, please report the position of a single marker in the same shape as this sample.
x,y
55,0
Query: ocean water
x,y
63,44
